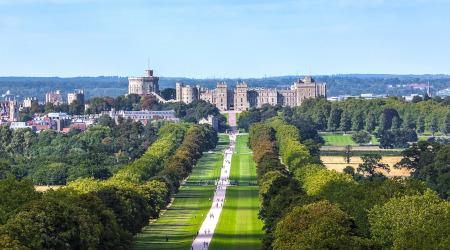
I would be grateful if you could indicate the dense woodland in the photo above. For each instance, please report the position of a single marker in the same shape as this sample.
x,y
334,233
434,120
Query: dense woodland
x,y
114,86
306,206
91,213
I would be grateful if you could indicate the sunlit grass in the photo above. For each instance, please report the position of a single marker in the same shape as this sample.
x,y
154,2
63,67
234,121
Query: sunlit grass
x,y
184,218
239,226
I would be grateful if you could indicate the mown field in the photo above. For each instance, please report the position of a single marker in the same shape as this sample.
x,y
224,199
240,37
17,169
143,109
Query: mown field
x,y
239,226
342,140
338,163
183,219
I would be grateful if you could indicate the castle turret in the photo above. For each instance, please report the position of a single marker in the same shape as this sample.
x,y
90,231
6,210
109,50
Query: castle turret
x,y
143,85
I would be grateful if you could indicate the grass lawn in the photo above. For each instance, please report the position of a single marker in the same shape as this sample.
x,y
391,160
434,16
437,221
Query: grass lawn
x,y
226,116
184,218
237,116
343,140
239,226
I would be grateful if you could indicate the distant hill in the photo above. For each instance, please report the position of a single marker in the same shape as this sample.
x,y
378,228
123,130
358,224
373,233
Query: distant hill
x,y
352,84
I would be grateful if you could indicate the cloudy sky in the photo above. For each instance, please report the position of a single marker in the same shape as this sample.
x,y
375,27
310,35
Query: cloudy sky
x,y
229,38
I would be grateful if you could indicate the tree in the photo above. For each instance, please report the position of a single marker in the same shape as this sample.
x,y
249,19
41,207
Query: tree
x,y
320,225
76,108
420,124
49,107
106,121
395,123
334,120
434,125
35,107
383,123
358,121
168,93
362,137
346,122
347,153
370,163
148,102
370,122
446,125
416,99
412,222
408,122
14,194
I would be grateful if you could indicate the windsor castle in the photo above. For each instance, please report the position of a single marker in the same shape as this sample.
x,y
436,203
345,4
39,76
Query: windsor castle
x,y
241,98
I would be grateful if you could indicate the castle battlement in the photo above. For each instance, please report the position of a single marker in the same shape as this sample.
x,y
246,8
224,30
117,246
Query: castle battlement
x,y
243,98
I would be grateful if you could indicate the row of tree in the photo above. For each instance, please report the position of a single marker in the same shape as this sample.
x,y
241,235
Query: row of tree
x,y
360,114
94,214
306,206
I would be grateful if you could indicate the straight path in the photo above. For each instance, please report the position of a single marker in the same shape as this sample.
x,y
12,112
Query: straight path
x,y
183,219
206,232
239,226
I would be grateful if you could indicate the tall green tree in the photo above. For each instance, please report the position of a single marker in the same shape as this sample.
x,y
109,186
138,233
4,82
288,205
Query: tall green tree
x,y
334,120
420,124
370,122
434,124
358,121
446,125
412,222
383,124
76,108
346,122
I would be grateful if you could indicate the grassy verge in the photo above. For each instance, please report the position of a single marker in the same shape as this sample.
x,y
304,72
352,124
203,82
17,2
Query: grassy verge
x,y
239,226
226,116
184,218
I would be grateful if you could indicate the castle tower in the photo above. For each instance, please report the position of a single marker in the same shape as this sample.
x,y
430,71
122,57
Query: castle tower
x,y
179,91
221,96
240,97
76,95
13,110
143,85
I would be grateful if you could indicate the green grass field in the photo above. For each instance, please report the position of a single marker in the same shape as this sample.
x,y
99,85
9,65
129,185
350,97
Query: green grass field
x,y
343,140
226,116
184,218
239,226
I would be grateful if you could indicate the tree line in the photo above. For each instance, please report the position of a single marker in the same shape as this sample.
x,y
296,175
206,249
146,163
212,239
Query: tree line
x,y
306,206
395,122
94,214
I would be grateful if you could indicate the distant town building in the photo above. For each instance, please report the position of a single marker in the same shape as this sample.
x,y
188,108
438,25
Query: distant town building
x,y
243,98
54,97
17,125
143,85
443,92
76,95
27,101
211,120
13,110
411,97
59,116
142,115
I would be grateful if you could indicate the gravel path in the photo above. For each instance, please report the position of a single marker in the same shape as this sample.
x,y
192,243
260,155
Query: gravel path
x,y
206,232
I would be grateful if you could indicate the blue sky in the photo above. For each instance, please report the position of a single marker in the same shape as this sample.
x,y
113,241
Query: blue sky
x,y
207,38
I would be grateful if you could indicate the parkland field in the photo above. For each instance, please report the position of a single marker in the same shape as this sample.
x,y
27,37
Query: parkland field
x,y
183,219
239,226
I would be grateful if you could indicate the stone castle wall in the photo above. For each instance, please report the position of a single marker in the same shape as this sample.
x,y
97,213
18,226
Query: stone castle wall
x,y
243,98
